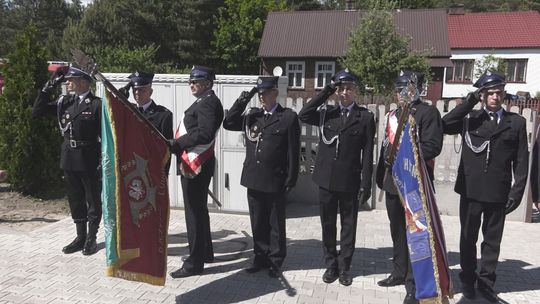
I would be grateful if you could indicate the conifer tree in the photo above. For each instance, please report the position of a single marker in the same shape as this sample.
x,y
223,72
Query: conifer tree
x,y
29,147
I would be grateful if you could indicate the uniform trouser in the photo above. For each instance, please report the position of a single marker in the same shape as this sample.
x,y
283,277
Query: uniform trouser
x,y
195,192
398,231
84,196
491,215
267,215
347,203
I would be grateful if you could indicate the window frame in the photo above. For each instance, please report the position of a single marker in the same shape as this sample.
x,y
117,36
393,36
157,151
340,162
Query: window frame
x,y
463,69
331,72
516,67
303,64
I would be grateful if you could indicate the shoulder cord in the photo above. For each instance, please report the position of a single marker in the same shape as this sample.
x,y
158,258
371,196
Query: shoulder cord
x,y
325,140
248,133
63,130
477,149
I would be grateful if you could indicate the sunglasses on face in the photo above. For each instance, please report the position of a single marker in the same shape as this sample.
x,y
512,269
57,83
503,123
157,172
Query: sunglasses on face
x,y
195,81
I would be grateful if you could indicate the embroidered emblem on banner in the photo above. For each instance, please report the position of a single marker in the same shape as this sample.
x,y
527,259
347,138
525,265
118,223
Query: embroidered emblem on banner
x,y
141,191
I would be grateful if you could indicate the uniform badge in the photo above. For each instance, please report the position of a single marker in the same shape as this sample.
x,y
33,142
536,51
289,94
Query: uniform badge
x,y
67,116
87,100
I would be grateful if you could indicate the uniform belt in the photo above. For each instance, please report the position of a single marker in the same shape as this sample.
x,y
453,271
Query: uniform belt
x,y
80,143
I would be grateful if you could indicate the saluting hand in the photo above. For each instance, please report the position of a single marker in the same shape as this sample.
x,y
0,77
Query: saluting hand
x,y
474,97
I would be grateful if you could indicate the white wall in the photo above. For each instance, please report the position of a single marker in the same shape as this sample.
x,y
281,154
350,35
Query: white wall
x,y
532,77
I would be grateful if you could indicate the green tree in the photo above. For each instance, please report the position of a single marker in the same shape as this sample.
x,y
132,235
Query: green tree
x,y
377,53
179,27
493,5
49,16
489,62
195,23
239,32
29,148
305,5
122,59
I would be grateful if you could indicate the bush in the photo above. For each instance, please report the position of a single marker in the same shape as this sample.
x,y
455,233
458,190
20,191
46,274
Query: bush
x,y
29,148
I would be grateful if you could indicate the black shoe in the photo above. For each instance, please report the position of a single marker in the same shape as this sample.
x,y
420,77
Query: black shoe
x,y
273,272
391,281
468,292
76,245
184,273
90,246
330,275
255,267
345,278
206,260
489,294
410,299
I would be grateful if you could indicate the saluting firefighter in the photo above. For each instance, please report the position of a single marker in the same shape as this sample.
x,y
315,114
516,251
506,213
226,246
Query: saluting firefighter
x,y
430,137
79,119
196,136
272,137
343,168
494,148
158,115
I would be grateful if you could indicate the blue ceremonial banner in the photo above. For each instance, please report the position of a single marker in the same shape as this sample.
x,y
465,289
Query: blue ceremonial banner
x,y
425,237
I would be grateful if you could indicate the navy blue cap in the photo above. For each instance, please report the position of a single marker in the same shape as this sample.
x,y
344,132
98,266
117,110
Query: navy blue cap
x,y
202,73
405,76
141,79
490,79
345,76
74,72
266,83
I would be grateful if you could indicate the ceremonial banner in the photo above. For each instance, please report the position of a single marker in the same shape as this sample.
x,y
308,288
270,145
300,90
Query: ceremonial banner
x,y
425,237
135,194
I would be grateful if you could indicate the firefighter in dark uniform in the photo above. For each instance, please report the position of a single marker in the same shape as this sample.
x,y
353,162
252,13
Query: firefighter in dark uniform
x,y
198,130
494,149
158,115
430,134
343,168
79,119
272,137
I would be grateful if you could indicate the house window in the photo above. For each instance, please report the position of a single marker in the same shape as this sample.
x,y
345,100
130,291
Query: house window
x,y
461,72
295,72
516,70
323,71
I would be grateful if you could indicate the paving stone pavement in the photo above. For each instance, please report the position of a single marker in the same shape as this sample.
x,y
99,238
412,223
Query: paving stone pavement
x,y
34,270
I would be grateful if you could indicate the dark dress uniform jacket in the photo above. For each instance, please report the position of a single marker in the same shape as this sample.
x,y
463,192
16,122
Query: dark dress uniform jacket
x,y
201,120
86,120
429,126
161,118
348,171
271,165
509,153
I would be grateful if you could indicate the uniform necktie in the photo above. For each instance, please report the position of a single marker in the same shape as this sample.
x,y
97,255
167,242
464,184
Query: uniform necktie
x,y
494,118
344,114
141,109
266,116
77,102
